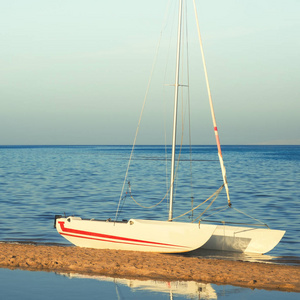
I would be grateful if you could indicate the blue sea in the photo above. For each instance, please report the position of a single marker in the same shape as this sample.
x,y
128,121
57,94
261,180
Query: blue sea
x,y
39,182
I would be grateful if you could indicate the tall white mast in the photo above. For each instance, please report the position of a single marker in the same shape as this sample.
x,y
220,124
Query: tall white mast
x,y
175,111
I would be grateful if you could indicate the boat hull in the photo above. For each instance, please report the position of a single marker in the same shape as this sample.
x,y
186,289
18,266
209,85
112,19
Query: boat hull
x,y
243,239
135,235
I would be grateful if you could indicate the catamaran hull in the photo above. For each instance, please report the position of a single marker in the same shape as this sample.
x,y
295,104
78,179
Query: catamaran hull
x,y
135,235
243,239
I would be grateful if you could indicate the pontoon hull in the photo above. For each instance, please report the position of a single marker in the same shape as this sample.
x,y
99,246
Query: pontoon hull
x,y
135,235
243,239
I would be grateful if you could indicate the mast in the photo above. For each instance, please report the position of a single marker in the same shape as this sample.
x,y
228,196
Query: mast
x,y
175,112
212,111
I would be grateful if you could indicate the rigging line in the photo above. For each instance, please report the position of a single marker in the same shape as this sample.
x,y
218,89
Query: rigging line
x,y
139,122
177,74
143,106
165,137
179,154
186,110
166,159
183,109
249,216
124,197
235,223
217,210
189,114
177,165
164,97
223,208
166,16
148,207
215,194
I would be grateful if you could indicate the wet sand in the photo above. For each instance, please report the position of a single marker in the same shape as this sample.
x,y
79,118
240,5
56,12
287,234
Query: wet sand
x,y
129,264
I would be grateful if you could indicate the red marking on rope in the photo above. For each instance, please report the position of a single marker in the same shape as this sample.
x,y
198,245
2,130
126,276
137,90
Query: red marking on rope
x,y
215,128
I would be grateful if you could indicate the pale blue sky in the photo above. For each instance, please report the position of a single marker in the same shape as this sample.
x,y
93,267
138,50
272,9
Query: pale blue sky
x,y
75,72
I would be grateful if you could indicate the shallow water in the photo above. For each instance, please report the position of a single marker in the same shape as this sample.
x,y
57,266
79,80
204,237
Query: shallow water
x,y
42,285
38,182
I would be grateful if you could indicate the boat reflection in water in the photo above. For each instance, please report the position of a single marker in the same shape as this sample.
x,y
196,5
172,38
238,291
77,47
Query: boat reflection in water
x,y
189,289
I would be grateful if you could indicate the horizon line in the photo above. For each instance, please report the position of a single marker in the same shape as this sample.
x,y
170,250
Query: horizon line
x,y
130,145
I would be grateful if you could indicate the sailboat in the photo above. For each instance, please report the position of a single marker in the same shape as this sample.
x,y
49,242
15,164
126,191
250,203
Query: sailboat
x,y
170,236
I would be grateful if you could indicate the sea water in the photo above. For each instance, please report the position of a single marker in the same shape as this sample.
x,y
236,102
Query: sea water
x,y
27,285
39,182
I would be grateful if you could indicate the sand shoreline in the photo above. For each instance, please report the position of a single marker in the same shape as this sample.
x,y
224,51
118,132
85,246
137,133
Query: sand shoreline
x,y
130,264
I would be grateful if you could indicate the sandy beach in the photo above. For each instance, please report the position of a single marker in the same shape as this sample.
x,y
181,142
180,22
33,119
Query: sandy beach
x,y
129,264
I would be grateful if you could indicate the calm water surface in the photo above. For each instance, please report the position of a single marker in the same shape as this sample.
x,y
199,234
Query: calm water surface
x,y
42,285
37,182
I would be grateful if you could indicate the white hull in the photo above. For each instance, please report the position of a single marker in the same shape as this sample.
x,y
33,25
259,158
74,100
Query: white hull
x,y
243,239
135,235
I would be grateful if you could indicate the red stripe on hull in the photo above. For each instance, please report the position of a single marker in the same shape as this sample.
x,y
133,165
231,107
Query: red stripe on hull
x,y
119,242
123,240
